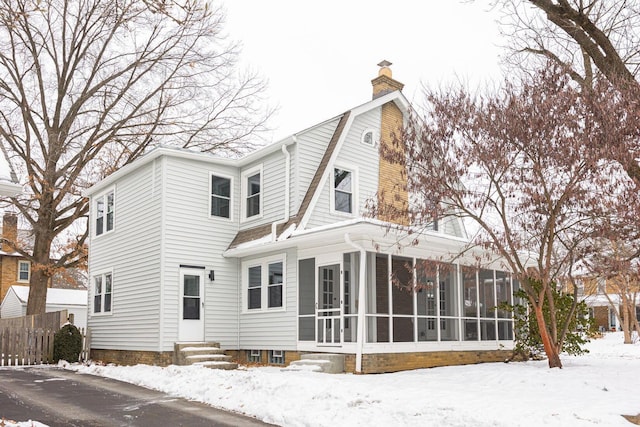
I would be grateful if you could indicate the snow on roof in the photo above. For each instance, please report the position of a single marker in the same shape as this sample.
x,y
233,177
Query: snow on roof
x,y
55,296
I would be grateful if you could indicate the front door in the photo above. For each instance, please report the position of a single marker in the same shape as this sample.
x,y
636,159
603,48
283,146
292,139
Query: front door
x,y
191,311
328,306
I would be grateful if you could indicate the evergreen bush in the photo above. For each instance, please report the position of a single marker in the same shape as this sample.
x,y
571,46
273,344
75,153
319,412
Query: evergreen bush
x,y
528,343
67,344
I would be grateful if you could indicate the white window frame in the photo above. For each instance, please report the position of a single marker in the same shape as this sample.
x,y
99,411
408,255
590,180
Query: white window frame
x,y
103,276
244,193
28,264
103,198
231,199
355,208
264,263
375,137
276,357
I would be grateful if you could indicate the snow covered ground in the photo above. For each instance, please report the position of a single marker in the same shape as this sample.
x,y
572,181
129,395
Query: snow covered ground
x,y
593,389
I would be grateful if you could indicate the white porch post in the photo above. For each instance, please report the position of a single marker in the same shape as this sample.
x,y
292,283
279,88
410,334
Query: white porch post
x,y
362,292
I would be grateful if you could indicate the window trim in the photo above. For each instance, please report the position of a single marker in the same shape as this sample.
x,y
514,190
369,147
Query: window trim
x,y
244,176
375,137
103,198
103,276
264,264
231,198
28,263
355,208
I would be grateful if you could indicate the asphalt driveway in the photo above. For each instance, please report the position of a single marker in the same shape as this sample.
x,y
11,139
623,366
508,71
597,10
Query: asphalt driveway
x,y
63,398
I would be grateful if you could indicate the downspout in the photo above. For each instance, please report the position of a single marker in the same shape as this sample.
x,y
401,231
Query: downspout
x,y
362,277
287,189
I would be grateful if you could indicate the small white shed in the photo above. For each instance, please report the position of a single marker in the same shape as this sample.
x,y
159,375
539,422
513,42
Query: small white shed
x,y
74,301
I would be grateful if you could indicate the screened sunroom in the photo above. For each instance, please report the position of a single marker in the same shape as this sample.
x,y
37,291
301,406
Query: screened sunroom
x,y
446,303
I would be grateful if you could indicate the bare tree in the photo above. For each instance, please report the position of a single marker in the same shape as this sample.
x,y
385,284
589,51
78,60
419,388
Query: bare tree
x,y
525,166
87,86
617,265
587,39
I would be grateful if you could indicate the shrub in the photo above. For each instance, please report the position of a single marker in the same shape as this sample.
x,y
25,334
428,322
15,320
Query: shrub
x,y
528,343
67,344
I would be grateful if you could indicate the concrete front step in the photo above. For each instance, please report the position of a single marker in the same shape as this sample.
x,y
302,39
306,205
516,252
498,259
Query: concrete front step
x,y
206,354
228,366
319,362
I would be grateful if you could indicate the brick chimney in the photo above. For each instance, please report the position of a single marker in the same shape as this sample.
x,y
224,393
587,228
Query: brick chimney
x,y
393,198
9,231
384,84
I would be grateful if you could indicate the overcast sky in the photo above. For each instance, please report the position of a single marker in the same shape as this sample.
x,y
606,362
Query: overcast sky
x,y
319,57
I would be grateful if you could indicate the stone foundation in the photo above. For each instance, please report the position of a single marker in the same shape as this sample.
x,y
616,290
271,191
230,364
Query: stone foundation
x,y
132,357
393,362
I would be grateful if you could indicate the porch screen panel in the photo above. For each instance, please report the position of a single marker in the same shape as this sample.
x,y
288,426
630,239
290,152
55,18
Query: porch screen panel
x,y
378,309
503,293
402,299
447,302
487,301
306,299
351,266
470,303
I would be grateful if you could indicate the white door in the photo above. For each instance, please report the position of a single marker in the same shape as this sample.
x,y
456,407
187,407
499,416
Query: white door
x,y
329,305
191,322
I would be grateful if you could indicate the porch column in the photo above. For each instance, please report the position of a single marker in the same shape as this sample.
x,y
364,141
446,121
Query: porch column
x,y
362,292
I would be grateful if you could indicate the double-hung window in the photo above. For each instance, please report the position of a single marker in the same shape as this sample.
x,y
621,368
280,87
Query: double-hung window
x,y
264,284
252,193
105,211
102,290
220,196
343,190
24,271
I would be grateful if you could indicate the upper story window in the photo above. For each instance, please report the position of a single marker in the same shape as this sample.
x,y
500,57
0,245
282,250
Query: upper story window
x,y
264,284
369,137
105,211
102,288
221,196
252,193
343,190
24,271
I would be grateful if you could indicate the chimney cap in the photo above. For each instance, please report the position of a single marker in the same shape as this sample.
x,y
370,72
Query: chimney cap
x,y
384,68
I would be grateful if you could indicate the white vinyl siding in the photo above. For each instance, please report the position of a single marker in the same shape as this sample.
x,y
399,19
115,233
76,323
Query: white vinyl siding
x,y
355,156
310,149
274,329
133,254
193,237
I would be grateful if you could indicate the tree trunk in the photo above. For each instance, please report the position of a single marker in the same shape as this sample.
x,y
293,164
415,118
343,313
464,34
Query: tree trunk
x,y
41,271
626,323
553,356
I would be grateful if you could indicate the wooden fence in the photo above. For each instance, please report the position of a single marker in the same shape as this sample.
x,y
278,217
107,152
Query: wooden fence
x,y
28,340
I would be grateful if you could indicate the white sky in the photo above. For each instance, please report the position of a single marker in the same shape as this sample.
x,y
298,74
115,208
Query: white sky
x,y
320,57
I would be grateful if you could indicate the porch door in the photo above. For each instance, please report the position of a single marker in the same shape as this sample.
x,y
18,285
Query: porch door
x,y
191,321
329,305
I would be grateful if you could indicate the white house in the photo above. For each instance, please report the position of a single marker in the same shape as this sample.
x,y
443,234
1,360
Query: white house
x,y
74,301
273,255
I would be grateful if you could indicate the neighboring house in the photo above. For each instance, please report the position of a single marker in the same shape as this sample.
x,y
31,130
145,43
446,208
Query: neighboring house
x,y
272,255
14,304
9,185
601,300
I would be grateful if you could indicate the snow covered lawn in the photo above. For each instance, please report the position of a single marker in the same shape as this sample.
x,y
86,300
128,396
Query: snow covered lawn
x,y
594,389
